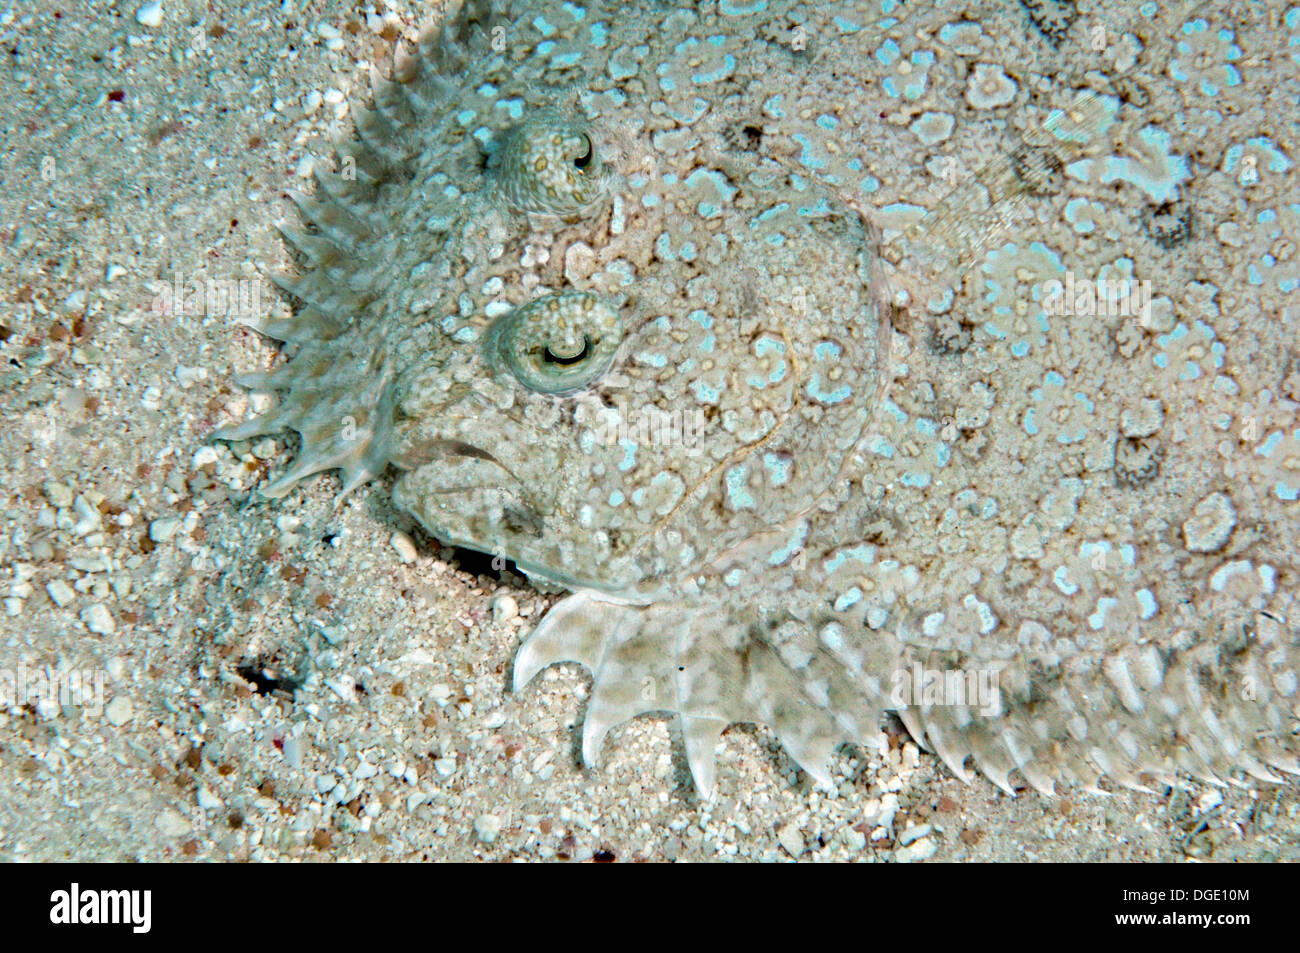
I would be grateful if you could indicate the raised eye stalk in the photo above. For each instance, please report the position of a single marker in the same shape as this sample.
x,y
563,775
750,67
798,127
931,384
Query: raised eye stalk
x,y
549,165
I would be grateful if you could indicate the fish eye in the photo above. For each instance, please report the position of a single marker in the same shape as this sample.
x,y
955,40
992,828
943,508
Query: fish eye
x,y
558,343
549,164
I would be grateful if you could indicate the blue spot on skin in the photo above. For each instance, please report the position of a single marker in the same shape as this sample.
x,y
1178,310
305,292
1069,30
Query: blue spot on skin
x,y
839,395
1072,214
544,48
820,210
1277,161
575,11
704,393
888,53
791,547
778,468
881,447
1146,603
566,59
918,480
599,33
807,156
720,182
846,26
1098,618
616,498
1062,579
1269,445
731,8
865,554
629,455
664,247
465,116
722,72
737,493
702,318
1160,188
769,213
1031,423
543,27
848,599
515,107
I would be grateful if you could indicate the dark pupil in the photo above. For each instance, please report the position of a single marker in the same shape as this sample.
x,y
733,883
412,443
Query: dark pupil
x,y
584,160
566,361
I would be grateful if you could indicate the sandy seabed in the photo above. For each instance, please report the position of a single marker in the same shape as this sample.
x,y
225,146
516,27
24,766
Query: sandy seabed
x,y
288,680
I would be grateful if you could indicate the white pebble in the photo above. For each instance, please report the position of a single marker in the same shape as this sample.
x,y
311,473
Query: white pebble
x,y
60,592
791,839
922,849
171,823
88,519
504,608
487,827
404,546
161,530
150,15
98,619
119,710
209,801
58,494
913,834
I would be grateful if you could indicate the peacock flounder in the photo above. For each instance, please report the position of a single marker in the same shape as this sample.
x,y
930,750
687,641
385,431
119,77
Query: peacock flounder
x,y
605,286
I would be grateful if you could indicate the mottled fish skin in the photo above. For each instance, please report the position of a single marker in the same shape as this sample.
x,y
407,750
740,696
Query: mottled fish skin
x,y
726,332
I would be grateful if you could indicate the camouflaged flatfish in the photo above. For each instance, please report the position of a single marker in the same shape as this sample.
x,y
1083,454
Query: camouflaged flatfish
x,y
785,338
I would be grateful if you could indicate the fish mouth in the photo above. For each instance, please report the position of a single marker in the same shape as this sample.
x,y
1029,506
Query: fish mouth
x,y
466,496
